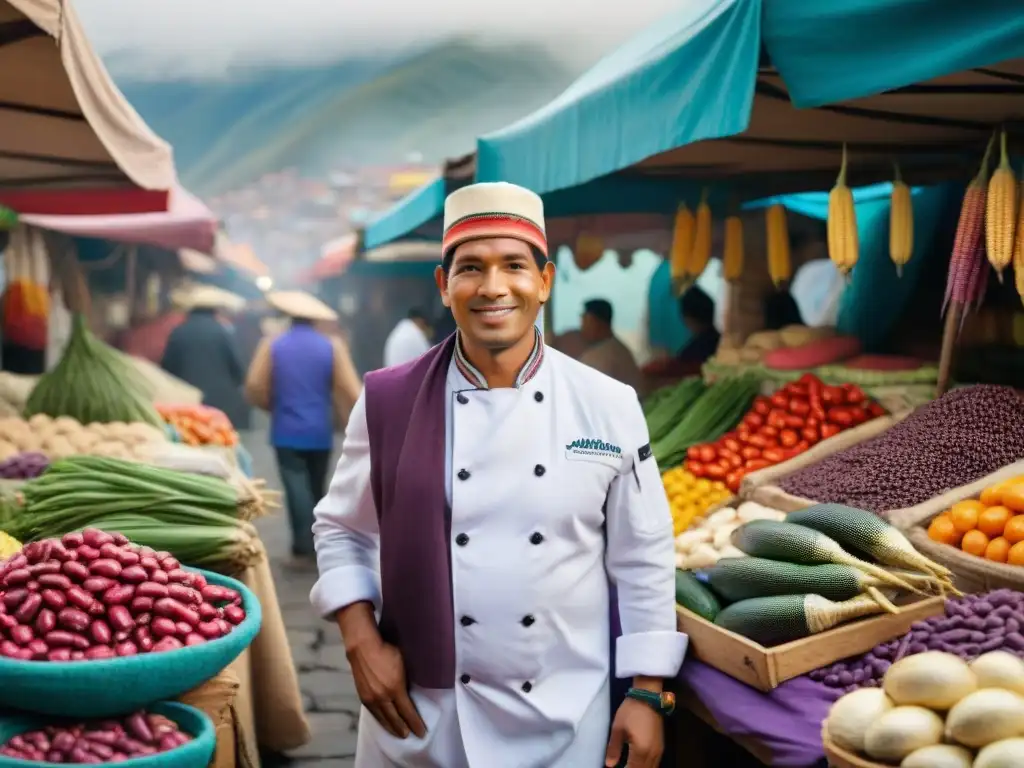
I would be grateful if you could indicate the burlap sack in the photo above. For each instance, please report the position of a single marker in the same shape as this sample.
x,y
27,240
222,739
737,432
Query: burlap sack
x,y
773,497
825,448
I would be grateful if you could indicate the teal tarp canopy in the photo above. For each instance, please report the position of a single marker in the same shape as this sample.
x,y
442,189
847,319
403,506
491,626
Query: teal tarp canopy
x,y
694,76
409,218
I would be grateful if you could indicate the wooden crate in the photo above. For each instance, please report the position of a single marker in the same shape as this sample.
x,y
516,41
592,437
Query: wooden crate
x,y
768,668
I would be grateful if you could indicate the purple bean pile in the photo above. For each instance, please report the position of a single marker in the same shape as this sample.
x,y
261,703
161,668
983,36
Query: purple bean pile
x,y
961,437
971,626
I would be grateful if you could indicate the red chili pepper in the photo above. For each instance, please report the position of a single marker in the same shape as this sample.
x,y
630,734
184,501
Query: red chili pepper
x,y
788,438
817,410
799,407
830,430
854,394
750,452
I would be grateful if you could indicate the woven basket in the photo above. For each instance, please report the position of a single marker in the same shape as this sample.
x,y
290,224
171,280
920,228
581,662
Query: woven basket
x,y
108,687
194,754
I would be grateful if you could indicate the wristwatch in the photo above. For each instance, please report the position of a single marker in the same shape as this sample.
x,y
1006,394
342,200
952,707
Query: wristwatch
x,y
663,703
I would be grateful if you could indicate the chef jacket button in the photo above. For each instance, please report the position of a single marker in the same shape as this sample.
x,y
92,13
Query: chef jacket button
x,y
462,539
467,620
538,396
462,398
465,679
539,470
536,537
528,620
463,474
527,686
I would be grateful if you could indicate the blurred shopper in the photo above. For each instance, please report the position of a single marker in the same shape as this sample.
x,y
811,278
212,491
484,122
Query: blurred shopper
x,y
408,340
780,310
698,313
605,351
306,381
202,352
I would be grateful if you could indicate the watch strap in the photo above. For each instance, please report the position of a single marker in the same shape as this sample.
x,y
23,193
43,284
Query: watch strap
x,y
663,703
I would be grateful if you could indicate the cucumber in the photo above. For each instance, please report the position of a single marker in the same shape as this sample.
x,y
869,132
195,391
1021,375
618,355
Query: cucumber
x,y
694,596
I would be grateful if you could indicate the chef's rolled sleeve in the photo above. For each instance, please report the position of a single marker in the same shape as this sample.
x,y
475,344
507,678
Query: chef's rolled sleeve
x,y
641,561
345,527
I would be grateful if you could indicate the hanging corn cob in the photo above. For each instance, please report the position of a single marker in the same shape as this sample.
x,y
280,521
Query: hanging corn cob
x,y
732,249
1001,213
843,242
901,224
779,265
700,253
1018,244
969,241
682,242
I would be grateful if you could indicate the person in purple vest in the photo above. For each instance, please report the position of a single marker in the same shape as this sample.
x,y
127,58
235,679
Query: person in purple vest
x,y
486,494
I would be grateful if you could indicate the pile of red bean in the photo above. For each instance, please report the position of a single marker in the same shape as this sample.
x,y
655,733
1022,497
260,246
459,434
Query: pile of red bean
x,y
972,625
963,436
95,595
109,741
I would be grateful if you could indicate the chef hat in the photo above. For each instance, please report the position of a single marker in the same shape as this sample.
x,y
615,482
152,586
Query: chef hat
x,y
494,209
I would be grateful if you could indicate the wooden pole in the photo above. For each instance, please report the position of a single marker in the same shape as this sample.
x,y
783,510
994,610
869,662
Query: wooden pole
x,y
949,334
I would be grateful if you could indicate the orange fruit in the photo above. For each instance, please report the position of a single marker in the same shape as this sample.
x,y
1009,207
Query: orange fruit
x,y
1016,556
965,514
943,530
1014,530
974,543
997,550
993,520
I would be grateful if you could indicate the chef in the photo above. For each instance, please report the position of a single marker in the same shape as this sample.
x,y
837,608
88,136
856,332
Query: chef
x,y
486,494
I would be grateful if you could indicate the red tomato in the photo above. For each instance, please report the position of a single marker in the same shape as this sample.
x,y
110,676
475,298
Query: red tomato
x,y
854,394
841,416
799,407
798,390
774,455
809,379
753,465
779,400
761,405
731,444
695,468
708,454
733,480
750,452
743,433
769,432
833,396
810,434
753,420
732,460
788,438
876,410
758,441
858,414
794,422
715,472
693,452
777,418
829,430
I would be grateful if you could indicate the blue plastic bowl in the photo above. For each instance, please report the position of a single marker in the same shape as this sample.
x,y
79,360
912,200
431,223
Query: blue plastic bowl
x,y
196,754
108,687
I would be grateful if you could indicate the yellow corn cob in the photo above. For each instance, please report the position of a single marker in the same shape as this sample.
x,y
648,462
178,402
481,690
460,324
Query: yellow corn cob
x,y
700,253
1001,213
901,224
1018,246
779,267
843,242
732,249
682,242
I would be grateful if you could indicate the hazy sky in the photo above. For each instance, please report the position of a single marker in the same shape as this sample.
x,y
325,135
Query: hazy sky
x,y
204,37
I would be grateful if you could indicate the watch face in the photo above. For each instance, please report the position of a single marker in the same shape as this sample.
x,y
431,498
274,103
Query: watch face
x,y
668,702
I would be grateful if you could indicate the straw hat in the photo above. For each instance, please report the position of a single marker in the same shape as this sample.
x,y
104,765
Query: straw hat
x,y
493,209
206,297
301,305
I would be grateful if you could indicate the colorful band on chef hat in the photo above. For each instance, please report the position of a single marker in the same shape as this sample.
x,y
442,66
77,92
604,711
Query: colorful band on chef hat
x,y
493,209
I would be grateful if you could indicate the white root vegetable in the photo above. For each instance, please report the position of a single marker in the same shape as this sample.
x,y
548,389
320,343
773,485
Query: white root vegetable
x,y
687,541
1002,754
704,556
723,536
751,510
933,679
999,669
938,756
985,717
901,731
730,551
724,516
849,718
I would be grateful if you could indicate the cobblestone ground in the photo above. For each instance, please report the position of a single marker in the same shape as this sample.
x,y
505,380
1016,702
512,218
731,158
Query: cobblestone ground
x,y
327,688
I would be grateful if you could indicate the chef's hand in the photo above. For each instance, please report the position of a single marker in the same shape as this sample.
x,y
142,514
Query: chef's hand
x,y
379,673
640,728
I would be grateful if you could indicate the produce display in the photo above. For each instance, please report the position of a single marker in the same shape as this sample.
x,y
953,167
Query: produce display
x,y
57,438
972,625
199,425
23,466
964,435
934,710
991,526
758,344
798,581
664,408
201,520
781,427
690,497
708,417
710,538
92,382
109,741
813,354
94,595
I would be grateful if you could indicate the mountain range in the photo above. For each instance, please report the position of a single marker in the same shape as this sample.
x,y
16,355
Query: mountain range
x,y
358,111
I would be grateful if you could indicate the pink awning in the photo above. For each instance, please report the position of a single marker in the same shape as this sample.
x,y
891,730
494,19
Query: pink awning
x,y
187,224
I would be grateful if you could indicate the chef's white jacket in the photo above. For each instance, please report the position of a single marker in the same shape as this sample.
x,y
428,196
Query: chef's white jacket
x,y
530,567
405,342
